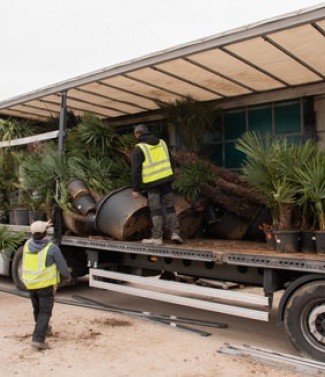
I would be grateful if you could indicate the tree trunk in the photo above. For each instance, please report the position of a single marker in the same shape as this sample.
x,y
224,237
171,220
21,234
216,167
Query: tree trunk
x,y
233,203
228,181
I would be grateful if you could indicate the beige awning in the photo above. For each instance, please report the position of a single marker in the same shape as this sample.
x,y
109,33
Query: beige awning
x,y
286,52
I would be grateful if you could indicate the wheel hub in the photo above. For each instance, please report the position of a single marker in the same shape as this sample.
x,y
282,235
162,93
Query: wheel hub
x,y
316,323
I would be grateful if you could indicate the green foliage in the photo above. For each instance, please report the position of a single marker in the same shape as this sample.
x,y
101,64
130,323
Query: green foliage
x,y
120,173
193,175
10,160
9,169
92,137
127,141
192,119
94,153
100,153
266,169
37,182
95,173
9,241
271,168
42,171
14,129
311,175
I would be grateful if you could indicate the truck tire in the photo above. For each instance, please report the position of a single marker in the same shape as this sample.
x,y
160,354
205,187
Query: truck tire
x,y
304,320
16,269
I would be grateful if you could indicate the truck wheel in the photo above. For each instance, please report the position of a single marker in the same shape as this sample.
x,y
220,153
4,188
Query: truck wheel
x,y
304,320
17,269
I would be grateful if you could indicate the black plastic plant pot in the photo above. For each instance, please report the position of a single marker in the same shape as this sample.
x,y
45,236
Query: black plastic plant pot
x,y
287,241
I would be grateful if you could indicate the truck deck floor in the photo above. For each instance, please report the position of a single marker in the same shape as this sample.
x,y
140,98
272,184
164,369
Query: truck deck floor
x,y
239,252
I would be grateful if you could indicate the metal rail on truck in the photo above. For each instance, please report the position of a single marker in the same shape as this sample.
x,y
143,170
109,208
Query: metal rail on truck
x,y
220,251
228,302
238,253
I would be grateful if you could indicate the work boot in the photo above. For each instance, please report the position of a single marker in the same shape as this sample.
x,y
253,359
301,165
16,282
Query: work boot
x,y
40,345
176,238
152,241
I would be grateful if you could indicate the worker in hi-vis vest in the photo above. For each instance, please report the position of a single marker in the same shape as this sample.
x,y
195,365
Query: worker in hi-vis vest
x,y
43,263
152,170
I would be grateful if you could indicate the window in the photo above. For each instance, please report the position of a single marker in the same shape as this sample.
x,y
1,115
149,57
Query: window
x,y
279,119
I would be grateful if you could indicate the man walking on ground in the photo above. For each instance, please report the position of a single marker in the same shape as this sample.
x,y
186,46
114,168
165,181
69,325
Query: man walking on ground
x,y
43,263
151,166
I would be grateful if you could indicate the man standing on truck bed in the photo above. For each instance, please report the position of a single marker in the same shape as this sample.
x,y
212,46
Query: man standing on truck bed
x,y
42,264
151,166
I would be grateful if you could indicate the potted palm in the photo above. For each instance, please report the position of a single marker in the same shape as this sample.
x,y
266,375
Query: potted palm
x,y
312,187
268,169
38,185
303,155
10,161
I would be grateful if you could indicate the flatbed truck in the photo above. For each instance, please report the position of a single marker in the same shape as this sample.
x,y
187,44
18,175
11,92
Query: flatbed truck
x,y
299,277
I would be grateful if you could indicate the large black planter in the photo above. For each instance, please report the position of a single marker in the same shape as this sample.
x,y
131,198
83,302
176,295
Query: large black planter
x,y
320,241
287,241
123,217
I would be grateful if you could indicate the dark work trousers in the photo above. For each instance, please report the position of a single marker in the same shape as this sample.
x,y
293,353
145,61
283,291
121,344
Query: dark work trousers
x,y
161,201
42,301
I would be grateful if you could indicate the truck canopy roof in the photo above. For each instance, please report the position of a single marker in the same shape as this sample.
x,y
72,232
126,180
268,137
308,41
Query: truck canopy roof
x,y
283,54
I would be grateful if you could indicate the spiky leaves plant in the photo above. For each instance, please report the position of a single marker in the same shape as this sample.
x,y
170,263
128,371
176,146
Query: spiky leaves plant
x,y
268,168
45,172
300,156
192,176
312,183
120,173
92,137
14,129
101,153
95,172
38,183
10,241
191,118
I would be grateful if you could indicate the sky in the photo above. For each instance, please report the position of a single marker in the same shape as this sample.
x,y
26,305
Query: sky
x,y
44,42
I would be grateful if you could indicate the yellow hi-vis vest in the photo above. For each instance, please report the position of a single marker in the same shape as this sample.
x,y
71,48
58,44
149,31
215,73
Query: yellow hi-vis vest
x,y
35,273
156,164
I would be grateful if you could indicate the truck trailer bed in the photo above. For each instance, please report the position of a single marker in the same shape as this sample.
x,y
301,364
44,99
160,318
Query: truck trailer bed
x,y
243,253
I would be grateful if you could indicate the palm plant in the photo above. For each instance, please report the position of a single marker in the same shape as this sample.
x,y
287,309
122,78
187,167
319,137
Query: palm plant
x,y
10,161
268,169
93,137
101,154
300,155
95,172
192,119
44,173
192,176
37,183
13,129
312,184
9,241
